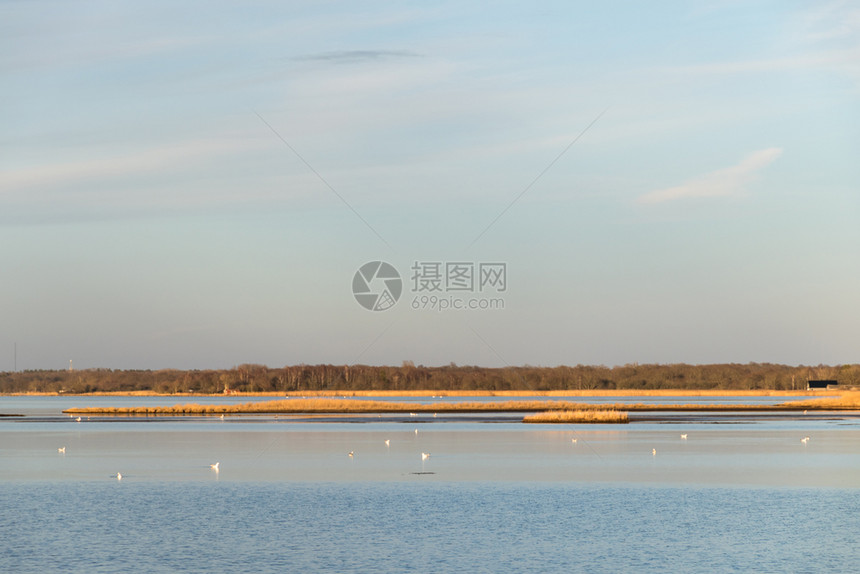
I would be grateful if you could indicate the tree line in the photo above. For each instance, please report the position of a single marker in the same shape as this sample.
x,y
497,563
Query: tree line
x,y
408,377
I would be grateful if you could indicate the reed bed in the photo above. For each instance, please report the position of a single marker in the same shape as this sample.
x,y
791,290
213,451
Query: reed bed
x,y
449,393
845,401
346,406
578,416
554,393
342,406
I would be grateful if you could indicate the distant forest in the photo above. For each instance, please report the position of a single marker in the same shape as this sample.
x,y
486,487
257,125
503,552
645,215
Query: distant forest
x,y
408,377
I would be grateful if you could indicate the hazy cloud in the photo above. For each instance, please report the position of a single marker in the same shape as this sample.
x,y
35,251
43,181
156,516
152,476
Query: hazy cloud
x,y
129,165
825,37
814,61
354,56
723,182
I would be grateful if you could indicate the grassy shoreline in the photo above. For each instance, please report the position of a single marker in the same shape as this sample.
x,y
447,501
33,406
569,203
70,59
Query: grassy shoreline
x,y
472,393
343,406
845,401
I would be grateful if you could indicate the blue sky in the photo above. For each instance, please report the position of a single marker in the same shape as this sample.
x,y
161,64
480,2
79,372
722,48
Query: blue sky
x,y
196,186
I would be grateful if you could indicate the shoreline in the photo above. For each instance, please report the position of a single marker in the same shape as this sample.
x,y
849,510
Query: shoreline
x,y
843,402
460,393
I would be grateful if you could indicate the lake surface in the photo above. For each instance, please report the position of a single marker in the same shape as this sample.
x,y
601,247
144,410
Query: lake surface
x,y
740,493
53,405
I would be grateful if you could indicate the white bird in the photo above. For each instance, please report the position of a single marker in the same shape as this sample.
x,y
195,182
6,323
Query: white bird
x,y
684,436
425,455
118,476
78,419
216,467
61,450
387,442
573,440
351,453
222,417
804,440
654,451
416,431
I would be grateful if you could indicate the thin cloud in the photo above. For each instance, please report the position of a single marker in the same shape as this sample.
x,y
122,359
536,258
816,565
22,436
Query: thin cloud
x,y
721,183
355,56
824,38
153,160
828,59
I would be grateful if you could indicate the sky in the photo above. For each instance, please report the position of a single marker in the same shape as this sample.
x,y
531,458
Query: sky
x,y
197,185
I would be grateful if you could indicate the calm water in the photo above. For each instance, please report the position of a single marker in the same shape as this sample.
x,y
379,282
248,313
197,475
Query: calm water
x,y
396,527
738,495
48,405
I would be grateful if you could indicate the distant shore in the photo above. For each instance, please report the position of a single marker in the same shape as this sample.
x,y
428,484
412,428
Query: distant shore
x,y
301,379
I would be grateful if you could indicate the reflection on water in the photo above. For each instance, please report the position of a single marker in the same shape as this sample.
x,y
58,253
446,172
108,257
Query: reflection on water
x,y
754,449
743,494
304,452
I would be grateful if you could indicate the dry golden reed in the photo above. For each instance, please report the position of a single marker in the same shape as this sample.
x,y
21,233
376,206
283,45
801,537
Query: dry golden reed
x,y
845,401
341,406
553,393
448,393
577,417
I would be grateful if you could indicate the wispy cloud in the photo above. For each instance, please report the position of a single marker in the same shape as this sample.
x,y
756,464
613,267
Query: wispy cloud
x,y
830,21
814,61
355,56
113,166
825,37
721,183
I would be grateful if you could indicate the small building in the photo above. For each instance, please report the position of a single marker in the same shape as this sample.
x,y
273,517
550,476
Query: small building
x,y
814,385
